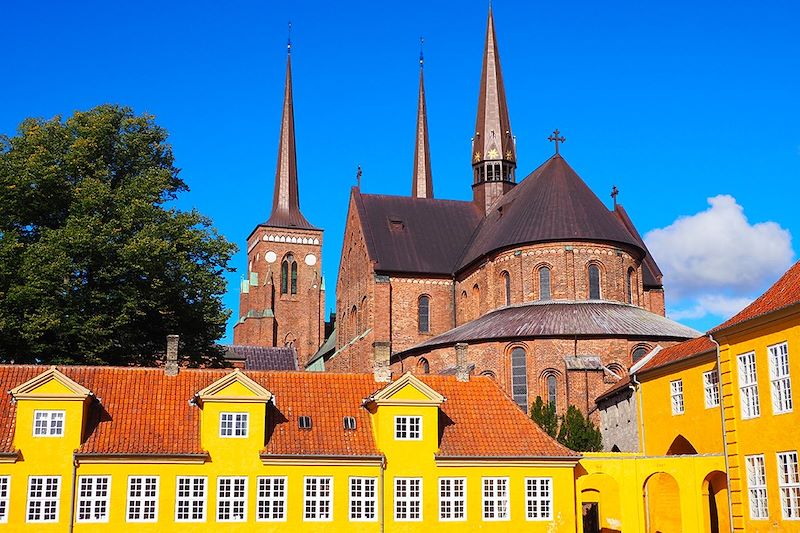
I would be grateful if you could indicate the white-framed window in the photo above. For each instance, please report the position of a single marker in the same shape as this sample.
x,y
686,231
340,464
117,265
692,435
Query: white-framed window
x,y
452,499
190,498
47,423
5,487
495,498
362,499
711,388
318,499
231,499
408,427
779,378
234,425
789,485
93,498
271,503
142,499
748,385
757,487
43,496
408,499
676,395
539,498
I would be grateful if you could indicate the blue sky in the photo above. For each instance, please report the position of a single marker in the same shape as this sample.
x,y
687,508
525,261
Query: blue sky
x,y
674,102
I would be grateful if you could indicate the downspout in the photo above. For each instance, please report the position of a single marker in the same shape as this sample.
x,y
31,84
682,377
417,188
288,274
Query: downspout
x,y
383,500
724,434
638,388
72,496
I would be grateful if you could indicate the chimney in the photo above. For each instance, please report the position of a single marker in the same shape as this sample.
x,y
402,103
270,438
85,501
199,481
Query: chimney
x,y
380,361
462,368
171,365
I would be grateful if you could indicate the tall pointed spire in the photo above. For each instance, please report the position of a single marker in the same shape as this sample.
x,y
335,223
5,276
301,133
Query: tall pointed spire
x,y
494,155
286,198
422,185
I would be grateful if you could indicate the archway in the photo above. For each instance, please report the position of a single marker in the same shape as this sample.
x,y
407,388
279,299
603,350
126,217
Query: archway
x,y
715,502
600,500
681,446
662,504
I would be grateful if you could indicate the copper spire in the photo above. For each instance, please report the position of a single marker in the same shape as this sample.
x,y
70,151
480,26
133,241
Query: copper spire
x,y
286,199
493,139
422,185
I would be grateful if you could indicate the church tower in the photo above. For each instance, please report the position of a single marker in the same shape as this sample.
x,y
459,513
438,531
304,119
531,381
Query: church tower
x,y
282,301
494,156
422,185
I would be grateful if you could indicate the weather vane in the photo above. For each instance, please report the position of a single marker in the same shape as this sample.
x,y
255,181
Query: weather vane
x,y
555,138
614,193
358,176
289,39
421,42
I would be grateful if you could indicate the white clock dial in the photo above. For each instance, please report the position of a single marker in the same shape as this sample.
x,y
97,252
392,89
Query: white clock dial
x,y
311,259
270,257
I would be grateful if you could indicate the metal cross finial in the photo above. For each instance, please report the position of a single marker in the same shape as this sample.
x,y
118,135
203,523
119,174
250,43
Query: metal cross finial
x,y
555,138
421,42
614,193
358,176
289,39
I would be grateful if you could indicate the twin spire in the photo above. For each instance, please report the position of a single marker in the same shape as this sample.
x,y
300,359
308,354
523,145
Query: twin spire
x,y
422,184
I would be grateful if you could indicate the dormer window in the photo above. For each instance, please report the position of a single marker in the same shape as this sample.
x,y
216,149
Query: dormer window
x,y
48,423
304,422
234,425
408,427
350,423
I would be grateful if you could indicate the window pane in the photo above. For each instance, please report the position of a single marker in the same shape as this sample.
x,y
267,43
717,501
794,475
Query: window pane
x,y
423,313
594,282
519,378
544,283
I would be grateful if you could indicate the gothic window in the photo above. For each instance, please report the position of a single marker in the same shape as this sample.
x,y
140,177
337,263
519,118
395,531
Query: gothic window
x,y
423,366
551,389
507,286
594,282
423,313
289,268
294,277
629,286
544,283
519,377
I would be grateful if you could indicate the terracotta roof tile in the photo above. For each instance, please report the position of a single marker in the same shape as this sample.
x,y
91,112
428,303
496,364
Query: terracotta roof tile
x,y
679,352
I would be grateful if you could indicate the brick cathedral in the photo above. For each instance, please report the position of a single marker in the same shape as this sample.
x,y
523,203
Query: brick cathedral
x,y
535,282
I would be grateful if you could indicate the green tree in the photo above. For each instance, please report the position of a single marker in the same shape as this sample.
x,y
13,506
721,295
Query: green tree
x,y
545,415
96,266
578,432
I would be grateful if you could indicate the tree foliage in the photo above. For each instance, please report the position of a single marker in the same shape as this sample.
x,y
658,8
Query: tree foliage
x,y
545,415
96,266
578,432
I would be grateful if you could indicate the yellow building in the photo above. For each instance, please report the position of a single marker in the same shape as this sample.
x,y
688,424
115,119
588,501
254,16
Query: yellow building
x,y
110,449
759,358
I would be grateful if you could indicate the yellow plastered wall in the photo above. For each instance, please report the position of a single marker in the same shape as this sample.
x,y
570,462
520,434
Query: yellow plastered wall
x,y
768,433
700,425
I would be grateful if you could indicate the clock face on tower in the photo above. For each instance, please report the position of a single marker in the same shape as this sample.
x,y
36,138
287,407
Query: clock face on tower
x,y
311,259
270,257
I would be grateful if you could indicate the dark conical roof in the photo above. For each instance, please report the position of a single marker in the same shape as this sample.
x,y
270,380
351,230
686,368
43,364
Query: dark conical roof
x,y
551,204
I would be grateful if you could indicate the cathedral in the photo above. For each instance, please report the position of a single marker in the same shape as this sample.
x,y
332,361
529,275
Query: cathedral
x,y
535,282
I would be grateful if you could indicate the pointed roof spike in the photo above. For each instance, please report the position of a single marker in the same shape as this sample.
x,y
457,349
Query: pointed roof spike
x,y
493,140
422,184
286,198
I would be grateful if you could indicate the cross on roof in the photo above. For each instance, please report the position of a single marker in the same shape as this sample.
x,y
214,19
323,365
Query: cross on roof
x,y
555,138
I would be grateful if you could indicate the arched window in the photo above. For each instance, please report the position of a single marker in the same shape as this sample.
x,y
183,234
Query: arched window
x,y
638,353
423,313
489,374
423,366
629,286
507,286
544,283
551,389
519,377
294,277
289,267
594,282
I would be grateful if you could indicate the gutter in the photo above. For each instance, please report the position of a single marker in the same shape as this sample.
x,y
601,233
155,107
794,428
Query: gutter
x,y
72,494
637,387
724,433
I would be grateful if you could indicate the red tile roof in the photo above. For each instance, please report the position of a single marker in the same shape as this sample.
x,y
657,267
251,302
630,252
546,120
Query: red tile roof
x,y
141,411
785,292
680,352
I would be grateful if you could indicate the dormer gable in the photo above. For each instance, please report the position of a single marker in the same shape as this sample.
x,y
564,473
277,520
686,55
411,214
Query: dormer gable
x,y
50,385
235,387
407,390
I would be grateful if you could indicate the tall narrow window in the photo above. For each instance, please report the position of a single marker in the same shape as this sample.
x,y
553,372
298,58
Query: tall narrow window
x,y
142,499
423,313
5,485
362,499
271,499
507,286
452,498
285,277
495,498
779,378
757,487
93,498
551,389
789,485
43,498
629,286
231,499
407,499
317,500
190,499
594,282
676,394
538,498
711,388
289,274
748,385
294,277
519,377
544,283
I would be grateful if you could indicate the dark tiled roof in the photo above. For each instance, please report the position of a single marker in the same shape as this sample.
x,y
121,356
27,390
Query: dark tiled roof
x,y
326,350
551,204
651,274
785,292
415,235
263,357
680,352
563,319
617,387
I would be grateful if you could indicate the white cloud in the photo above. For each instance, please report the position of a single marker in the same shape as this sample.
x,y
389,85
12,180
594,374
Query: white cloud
x,y
711,304
718,249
